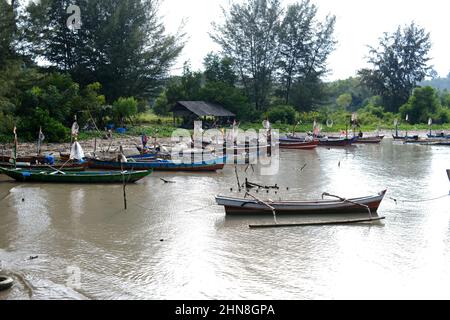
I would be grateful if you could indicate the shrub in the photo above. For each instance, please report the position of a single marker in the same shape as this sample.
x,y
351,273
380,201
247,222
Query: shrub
x,y
442,115
161,106
283,114
125,108
53,130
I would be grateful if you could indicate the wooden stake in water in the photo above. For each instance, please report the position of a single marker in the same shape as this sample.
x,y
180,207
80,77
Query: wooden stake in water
x,y
237,178
123,179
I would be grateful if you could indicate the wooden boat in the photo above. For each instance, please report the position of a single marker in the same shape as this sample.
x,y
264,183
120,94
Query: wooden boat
x,y
46,167
159,165
301,145
24,175
439,136
337,142
429,142
401,138
30,159
247,206
369,140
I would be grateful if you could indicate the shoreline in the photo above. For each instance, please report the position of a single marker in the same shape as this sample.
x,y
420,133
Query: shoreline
x,y
129,144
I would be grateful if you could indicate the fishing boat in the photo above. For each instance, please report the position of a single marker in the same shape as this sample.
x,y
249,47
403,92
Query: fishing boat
x,y
402,138
442,135
46,167
29,159
300,145
429,142
24,175
369,140
159,165
337,142
247,206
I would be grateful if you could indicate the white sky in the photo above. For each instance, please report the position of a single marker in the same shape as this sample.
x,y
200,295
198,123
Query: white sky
x,y
359,23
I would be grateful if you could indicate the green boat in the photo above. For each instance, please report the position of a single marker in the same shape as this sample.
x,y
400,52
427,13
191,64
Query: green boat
x,y
23,175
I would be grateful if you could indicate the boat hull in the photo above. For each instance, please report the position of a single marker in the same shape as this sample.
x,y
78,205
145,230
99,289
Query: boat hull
x,y
337,142
369,140
239,206
43,167
448,174
299,145
156,165
79,177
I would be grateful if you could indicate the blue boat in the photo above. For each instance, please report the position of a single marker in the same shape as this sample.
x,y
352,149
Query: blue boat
x,y
438,136
159,165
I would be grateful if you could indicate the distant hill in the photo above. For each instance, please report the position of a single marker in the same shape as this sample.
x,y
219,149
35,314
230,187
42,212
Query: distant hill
x,y
438,83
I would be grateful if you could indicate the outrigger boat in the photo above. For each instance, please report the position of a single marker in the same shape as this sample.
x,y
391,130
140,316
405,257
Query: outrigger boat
x,y
22,175
369,140
396,137
442,135
300,145
30,159
323,141
337,142
247,206
46,167
159,165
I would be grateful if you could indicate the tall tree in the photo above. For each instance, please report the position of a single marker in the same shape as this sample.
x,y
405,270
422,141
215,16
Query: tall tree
x,y
7,30
400,62
122,43
219,69
305,44
250,37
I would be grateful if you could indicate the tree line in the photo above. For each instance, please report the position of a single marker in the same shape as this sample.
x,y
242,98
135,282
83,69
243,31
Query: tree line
x,y
272,61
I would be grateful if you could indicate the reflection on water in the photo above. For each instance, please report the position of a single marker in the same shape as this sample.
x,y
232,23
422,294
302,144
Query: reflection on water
x,y
173,242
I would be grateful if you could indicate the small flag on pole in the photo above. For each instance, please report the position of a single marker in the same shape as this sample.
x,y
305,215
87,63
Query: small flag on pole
x,y
41,138
41,135
75,129
15,147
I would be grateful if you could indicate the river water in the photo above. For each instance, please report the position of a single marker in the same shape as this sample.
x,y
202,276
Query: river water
x,y
173,242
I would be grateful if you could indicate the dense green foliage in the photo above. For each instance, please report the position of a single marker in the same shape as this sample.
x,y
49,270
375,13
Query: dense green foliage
x,y
282,114
424,104
121,44
399,64
125,108
277,51
115,69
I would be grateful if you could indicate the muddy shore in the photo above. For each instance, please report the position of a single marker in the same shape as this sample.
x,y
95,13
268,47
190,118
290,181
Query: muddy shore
x,y
128,143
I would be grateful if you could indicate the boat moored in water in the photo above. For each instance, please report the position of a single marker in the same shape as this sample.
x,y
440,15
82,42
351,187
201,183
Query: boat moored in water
x,y
159,165
23,175
369,140
298,144
247,206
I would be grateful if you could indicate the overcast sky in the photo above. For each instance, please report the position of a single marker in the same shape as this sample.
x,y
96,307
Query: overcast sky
x,y
359,23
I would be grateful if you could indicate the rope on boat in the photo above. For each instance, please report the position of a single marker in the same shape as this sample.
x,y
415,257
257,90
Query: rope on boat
x,y
419,201
266,204
349,201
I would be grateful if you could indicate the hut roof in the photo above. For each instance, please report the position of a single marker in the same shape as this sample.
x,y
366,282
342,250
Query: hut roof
x,y
202,108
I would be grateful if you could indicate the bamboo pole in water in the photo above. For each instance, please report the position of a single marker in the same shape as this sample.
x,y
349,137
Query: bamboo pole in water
x,y
315,223
123,179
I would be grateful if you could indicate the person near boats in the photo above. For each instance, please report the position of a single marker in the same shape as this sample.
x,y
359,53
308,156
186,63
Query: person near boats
x,y
144,140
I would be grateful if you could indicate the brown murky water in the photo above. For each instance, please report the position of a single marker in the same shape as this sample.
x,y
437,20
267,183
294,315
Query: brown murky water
x,y
86,247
